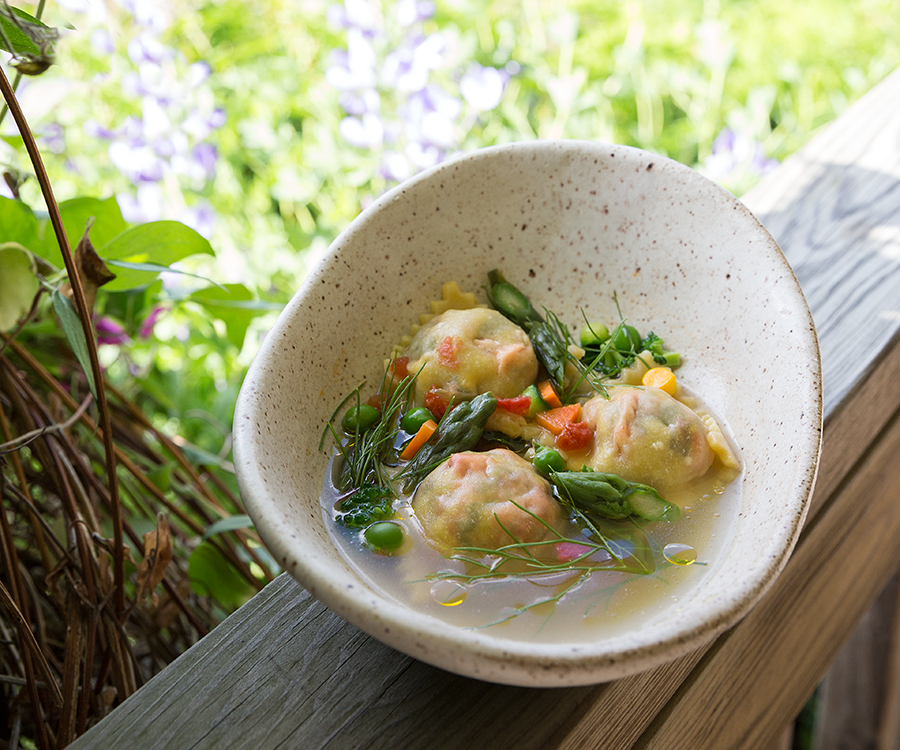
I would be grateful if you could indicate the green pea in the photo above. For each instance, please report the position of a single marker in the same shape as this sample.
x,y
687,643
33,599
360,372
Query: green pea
x,y
547,460
360,418
384,535
414,419
593,334
627,339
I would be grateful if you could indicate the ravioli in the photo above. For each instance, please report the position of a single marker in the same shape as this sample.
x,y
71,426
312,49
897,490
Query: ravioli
x,y
645,435
470,501
472,352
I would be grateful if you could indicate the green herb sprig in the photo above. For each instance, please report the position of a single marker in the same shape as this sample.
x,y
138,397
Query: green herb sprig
x,y
363,479
459,430
517,560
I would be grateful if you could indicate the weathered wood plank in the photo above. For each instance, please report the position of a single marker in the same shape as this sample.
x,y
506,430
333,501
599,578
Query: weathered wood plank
x,y
845,441
888,737
851,425
834,208
756,678
854,700
285,672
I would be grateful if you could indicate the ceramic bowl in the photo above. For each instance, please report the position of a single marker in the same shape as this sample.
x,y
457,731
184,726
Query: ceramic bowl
x,y
572,222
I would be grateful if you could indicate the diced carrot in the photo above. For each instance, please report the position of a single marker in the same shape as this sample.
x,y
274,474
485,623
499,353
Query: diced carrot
x,y
549,395
575,436
662,378
418,440
555,420
516,405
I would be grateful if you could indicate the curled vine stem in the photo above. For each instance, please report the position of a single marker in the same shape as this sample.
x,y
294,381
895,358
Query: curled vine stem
x,y
87,326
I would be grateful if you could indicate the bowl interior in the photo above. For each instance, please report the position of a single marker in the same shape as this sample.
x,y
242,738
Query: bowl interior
x,y
571,224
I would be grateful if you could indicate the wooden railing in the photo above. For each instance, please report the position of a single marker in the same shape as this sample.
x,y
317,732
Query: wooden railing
x,y
286,672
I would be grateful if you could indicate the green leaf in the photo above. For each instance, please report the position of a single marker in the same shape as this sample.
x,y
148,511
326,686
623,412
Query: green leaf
x,y
228,524
159,242
212,575
21,42
233,305
18,284
158,269
19,224
71,325
108,221
199,456
161,476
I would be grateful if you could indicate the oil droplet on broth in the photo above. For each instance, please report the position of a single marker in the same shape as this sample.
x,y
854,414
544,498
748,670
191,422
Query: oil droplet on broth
x,y
448,593
680,554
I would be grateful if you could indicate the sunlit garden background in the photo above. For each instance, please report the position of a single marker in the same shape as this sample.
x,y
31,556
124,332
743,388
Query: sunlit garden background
x,y
263,129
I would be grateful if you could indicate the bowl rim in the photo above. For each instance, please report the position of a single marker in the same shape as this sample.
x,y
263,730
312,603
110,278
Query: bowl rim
x,y
473,653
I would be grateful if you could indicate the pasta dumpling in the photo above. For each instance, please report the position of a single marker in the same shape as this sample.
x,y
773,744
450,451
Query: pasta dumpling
x,y
467,501
645,435
472,352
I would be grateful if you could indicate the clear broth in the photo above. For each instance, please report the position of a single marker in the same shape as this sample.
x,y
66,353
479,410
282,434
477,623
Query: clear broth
x,y
607,604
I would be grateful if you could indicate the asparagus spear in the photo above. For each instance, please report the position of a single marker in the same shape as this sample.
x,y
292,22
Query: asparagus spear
x,y
611,496
548,347
459,430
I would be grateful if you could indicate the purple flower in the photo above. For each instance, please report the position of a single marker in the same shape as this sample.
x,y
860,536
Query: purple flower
x,y
198,73
52,135
146,206
724,141
736,155
94,129
110,332
408,67
137,161
408,12
147,324
205,156
353,68
424,155
216,119
102,42
395,167
201,218
384,80
363,132
359,103
482,87
147,48
354,14
147,13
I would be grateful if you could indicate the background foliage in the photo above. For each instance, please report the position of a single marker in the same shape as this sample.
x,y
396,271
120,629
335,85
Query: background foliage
x,y
219,151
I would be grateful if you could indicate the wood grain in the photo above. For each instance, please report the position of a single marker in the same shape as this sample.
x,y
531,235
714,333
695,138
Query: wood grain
x,y
757,677
854,695
834,208
286,672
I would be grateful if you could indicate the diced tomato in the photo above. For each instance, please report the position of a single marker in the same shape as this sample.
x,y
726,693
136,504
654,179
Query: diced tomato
x,y
376,401
436,403
448,351
515,405
401,367
575,436
555,420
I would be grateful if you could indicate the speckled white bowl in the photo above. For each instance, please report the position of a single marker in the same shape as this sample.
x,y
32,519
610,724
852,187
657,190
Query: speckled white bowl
x,y
569,222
